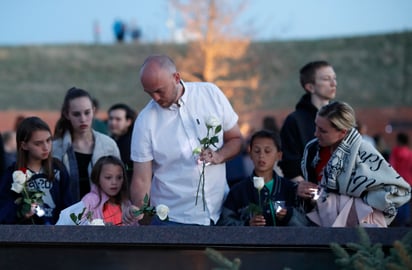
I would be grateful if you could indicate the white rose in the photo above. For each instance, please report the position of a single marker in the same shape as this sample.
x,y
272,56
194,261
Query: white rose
x,y
212,122
97,222
19,177
258,182
17,187
162,211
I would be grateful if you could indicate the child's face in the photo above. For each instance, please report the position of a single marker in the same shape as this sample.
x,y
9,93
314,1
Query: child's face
x,y
39,146
111,179
264,154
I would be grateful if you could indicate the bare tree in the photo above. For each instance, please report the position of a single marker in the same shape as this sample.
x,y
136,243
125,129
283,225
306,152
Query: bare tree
x,y
217,47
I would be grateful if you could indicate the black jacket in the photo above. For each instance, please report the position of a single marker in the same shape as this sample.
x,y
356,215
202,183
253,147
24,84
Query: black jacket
x,y
124,144
236,211
297,130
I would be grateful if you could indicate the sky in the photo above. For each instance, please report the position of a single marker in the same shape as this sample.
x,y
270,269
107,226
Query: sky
x,y
41,22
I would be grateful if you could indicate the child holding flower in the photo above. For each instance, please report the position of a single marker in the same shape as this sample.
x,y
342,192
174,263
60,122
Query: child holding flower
x,y
107,199
252,202
36,188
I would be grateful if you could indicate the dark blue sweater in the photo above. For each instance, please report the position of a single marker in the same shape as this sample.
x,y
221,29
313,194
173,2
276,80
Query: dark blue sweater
x,y
59,190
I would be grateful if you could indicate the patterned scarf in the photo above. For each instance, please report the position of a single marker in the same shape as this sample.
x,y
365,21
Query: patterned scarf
x,y
356,169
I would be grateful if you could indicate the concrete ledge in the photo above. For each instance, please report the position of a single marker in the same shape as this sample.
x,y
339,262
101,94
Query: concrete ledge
x,y
192,235
154,247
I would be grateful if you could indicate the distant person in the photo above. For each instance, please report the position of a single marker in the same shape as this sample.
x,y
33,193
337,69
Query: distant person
x,y
401,160
382,146
2,157
96,32
166,133
17,121
351,181
363,130
108,197
135,31
264,152
235,167
119,29
48,175
98,124
120,123
10,147
76,143
318,79
269,123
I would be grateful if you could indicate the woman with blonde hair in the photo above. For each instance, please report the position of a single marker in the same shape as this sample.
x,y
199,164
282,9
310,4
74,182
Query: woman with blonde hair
x,y
352,183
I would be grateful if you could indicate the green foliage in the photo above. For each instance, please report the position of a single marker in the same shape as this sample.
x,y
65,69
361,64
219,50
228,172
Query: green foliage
x,y
372,71
364,255
146,208
222,261
78,218
255,209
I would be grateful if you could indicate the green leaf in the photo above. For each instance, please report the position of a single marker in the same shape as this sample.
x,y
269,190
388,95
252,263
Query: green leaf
x,y
18,200
146,199
218,129
255,209
137,212
204,141
27,201
26,208
214,140
73,218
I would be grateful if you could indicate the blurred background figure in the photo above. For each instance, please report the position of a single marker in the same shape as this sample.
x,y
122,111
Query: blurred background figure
x,y
98,124
96,31
269,123
401,160
120,124
363,130
382,146
2,156
119,29
134,31
10,147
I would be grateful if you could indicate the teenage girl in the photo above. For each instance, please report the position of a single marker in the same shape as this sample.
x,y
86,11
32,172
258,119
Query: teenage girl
x,y
76,144
47,176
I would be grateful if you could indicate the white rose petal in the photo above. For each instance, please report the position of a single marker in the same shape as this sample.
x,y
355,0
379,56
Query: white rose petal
x,y
212,122
39,211
258,182
97,222
29,174
17,187
162,211
19,177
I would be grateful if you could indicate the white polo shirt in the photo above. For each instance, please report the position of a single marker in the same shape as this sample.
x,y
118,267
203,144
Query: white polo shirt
x,y
167,136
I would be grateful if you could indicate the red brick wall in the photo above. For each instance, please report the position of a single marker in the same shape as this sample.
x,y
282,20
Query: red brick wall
x,y
375,119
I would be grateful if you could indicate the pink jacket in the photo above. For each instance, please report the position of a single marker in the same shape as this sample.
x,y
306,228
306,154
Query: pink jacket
x,y
92,204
